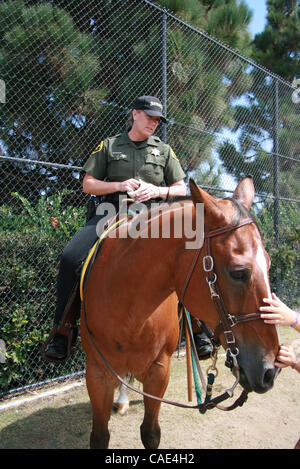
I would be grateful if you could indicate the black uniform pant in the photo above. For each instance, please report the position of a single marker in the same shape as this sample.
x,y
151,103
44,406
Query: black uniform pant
x,y
76,250
74,253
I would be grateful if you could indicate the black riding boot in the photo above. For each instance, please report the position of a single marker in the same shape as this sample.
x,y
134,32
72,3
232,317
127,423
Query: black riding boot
x,y
64,334
58,347
203,345
61,340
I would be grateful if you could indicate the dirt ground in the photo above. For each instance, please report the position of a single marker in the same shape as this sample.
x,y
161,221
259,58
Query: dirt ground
x,y
63,421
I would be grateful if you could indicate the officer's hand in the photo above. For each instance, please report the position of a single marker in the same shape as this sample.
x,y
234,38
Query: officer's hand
x,y
146,191
129,185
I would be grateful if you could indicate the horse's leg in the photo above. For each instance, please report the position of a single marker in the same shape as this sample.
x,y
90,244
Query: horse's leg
x,y
101,392
155,383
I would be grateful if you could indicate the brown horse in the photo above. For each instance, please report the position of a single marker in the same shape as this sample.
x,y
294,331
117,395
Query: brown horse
x,y
131,303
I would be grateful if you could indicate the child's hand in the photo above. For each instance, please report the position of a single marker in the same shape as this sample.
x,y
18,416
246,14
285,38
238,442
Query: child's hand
x,y
286,356
278,312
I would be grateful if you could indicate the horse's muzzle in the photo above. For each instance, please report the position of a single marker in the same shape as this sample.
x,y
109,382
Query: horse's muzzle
x,y
261,381
257,372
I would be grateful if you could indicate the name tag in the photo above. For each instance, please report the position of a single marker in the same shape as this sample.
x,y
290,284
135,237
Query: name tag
x,y
119,156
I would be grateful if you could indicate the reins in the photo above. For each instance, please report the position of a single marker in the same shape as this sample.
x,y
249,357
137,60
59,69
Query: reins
x,y
227,322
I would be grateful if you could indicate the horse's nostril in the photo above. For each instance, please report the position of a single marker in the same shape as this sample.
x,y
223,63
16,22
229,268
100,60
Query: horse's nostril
x,y
269,376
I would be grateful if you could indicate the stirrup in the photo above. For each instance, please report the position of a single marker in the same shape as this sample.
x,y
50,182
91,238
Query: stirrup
x,y
71,332
67,326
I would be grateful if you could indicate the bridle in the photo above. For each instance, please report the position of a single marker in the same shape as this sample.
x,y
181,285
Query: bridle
x,y
226,323
226,320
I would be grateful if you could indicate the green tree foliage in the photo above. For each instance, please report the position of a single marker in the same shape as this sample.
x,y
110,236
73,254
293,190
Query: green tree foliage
x,y
261,130
227,20
47,64
77,64
278,46
203,78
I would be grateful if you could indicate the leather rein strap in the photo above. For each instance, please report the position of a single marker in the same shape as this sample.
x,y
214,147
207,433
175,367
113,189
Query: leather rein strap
x,y
227,321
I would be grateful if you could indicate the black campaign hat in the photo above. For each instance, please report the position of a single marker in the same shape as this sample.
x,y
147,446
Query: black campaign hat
x,y
150,105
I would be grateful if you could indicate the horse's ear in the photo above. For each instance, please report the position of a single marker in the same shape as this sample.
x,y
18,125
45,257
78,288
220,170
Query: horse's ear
x,y
245,192
196,192
213,214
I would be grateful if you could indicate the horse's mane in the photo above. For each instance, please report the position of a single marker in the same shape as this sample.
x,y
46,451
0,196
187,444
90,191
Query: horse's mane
x,y
240,209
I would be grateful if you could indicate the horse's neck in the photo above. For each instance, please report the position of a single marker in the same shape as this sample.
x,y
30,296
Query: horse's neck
x,y
133,277
150,263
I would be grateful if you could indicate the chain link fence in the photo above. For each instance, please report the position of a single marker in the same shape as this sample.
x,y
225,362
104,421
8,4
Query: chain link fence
x,y
69,72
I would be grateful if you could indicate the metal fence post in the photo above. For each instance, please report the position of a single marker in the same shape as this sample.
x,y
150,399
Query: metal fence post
x,y
275,176
163,52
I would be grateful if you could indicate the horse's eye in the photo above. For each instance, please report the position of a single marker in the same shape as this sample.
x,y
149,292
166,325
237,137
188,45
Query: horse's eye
x,y
239,275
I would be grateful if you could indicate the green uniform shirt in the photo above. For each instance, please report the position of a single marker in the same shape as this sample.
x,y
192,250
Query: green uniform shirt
x,y
118,159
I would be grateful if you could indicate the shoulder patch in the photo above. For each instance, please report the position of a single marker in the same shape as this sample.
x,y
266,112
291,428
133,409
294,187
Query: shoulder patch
x,y
172,154
98,148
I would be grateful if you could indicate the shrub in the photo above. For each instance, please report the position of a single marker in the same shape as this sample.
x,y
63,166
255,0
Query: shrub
x,y
30,245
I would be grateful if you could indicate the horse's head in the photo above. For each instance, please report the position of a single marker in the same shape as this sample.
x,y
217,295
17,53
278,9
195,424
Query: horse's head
x,y
241,267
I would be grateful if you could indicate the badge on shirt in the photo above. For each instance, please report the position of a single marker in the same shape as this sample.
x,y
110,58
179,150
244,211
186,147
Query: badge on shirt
x,y
155,152
98,148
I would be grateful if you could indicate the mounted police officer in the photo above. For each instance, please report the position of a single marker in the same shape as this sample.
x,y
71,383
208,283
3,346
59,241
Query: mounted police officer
x,y
135,161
